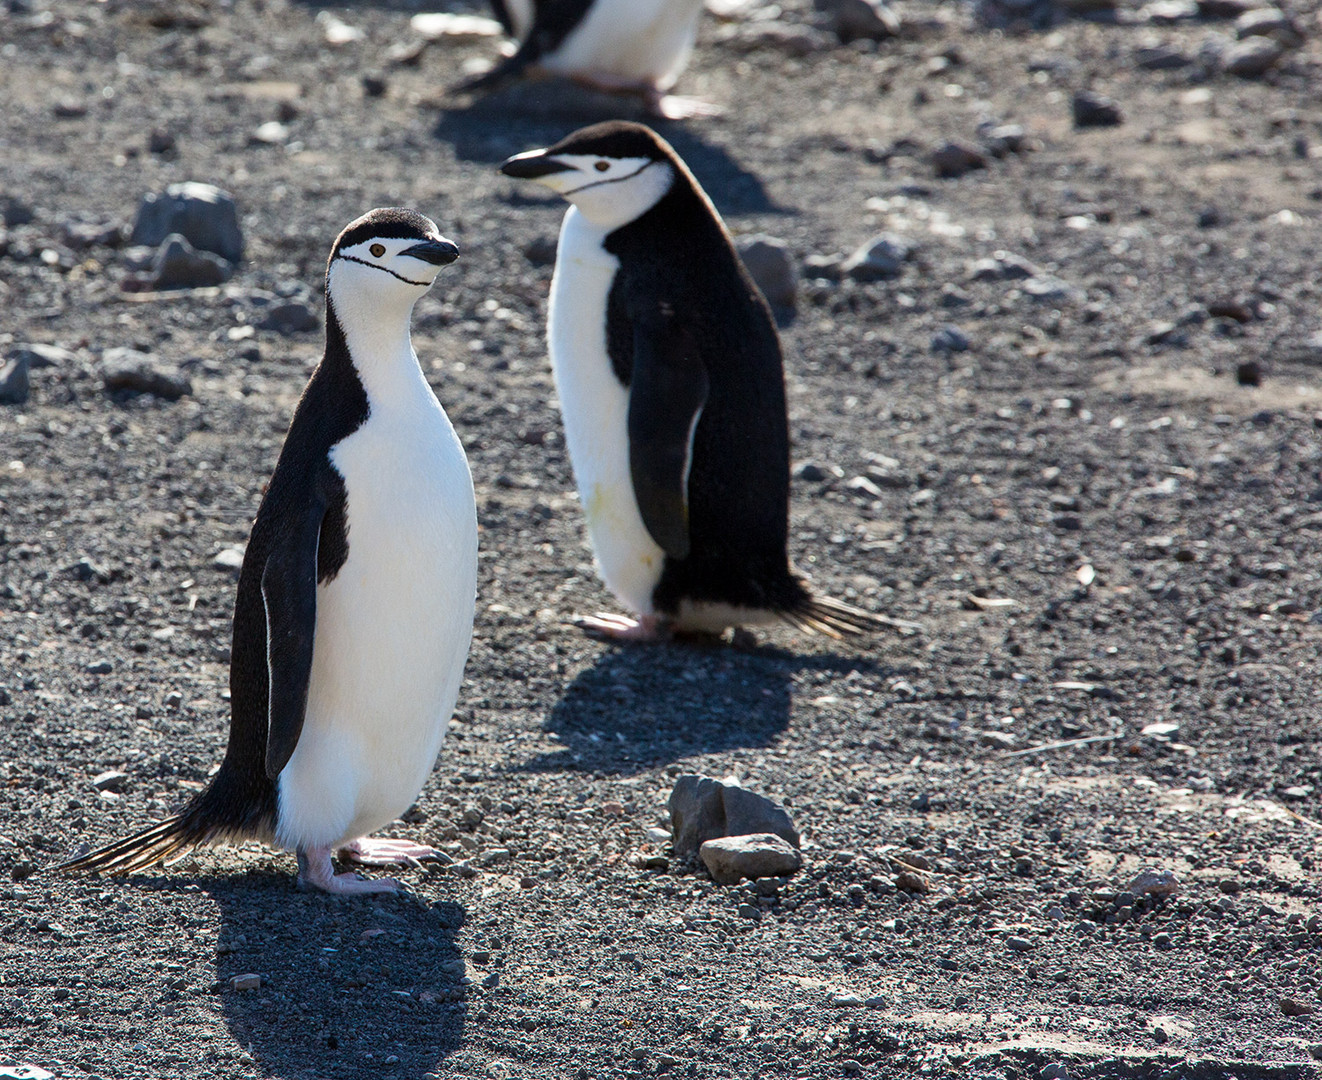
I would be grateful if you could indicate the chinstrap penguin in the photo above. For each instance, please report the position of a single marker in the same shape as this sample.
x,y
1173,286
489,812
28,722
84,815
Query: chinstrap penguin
x,y
355,602
669,373
633,46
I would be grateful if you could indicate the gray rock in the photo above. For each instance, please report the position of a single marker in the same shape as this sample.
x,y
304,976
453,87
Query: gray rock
x,y
954,159
827,267
291,317
950,339
881,257
1169,12
541,251
1002,266
703,809
771,265
81,235
1152,882
868,19
14,383
110,780
1095,110
796,41
1251,57
1003,139
1050,289
142,373
731,859
203,214
41,356
1269,22
230,558
1224,9
1160,58
179,265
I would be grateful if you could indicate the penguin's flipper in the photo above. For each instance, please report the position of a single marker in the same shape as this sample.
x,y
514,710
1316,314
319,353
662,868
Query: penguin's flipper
x,y
667,390
289,591
553,21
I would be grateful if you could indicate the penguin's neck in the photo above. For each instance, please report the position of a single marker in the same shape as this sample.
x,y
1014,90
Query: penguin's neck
x,y
376,341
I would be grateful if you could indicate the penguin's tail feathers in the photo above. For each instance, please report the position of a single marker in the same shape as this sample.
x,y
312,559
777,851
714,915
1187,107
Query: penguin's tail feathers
x,y
833,619
164,840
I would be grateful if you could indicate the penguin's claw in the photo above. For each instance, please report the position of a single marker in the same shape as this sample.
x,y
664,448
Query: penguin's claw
x,y
386,852
316,873
623,628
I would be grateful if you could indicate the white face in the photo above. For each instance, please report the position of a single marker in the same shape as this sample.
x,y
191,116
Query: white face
x,y
381,269
609,192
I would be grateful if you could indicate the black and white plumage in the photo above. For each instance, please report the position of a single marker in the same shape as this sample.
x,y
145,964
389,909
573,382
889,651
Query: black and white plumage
x,y
355,602
637,46
671,382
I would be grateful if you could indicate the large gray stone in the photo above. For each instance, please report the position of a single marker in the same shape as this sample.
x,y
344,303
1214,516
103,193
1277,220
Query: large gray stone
x,y
703,809
14,381
881,257
203,214
772,266
869,19
142,373
1251,57
730,859
179,265
39,355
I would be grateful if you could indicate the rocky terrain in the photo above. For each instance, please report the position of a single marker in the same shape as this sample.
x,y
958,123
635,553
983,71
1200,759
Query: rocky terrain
x,y
1053,348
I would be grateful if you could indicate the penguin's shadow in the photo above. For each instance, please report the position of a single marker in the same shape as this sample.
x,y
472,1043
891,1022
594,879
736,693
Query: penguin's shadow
x,y
347,983
533,113
639,707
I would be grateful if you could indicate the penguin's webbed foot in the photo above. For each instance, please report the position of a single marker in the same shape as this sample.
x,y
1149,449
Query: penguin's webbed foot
x,y
676,107
383,851
622,628
316,873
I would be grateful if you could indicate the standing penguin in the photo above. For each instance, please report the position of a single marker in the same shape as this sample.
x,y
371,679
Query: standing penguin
x,y
670,378
637,46
355,602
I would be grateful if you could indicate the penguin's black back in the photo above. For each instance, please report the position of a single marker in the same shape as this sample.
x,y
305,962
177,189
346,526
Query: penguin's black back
x,y
333,406
678,257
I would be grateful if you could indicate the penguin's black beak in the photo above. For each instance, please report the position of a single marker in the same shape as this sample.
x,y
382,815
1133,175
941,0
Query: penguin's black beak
x,y
533,165
436,252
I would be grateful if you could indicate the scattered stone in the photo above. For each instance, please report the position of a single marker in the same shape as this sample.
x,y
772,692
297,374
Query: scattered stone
x,y
81,235
796,41
1018,944
825,267
1269,22
100,667
290,317
179,265
950,339
1160,58
1162,940
881,257
433,25
1248,373
999,140
703,809
1170,12
954,159
1295,1007
204,215
771,265
42,356
161,142
1251,57
69,109
336,31
908,881
816,474
230,558
868,19
541,251
374,84
110,780
1095,110
142,373
246,982
14,382
1153,882
1050,289
271,133
844,1001
1002,266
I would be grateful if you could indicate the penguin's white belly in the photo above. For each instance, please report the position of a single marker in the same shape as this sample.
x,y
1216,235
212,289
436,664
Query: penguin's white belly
x,y
393,630
595,409
637,40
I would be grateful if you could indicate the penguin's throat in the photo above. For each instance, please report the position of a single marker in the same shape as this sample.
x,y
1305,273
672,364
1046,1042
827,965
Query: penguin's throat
x,y
380,347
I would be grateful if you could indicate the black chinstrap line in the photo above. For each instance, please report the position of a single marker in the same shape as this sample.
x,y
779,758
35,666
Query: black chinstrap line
x,y
374,266
613,180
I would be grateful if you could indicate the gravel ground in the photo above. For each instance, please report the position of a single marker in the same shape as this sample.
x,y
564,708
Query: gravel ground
x,y
1089,464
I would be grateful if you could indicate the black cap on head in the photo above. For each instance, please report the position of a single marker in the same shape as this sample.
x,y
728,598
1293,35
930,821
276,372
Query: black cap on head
x,y
616,139
389,222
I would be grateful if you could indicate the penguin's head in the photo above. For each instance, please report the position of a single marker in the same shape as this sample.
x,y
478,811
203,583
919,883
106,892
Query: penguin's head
x,y
388,257
613,172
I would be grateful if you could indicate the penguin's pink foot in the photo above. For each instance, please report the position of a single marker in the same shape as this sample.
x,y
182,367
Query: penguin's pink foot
x,y
674,107
317,874
386,852
623,628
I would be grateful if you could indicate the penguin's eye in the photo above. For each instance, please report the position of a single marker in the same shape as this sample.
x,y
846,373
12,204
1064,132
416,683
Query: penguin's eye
x,y
377,250
602,166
